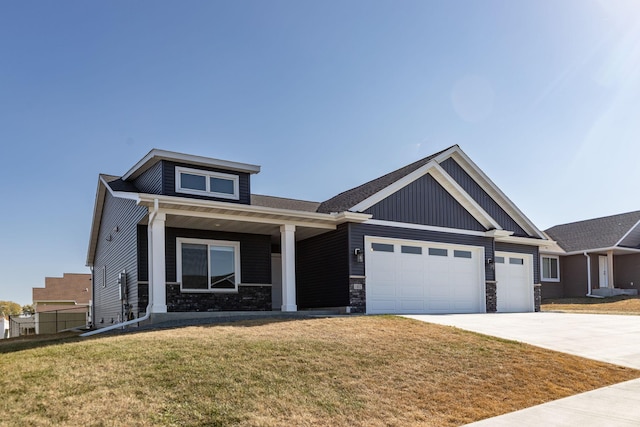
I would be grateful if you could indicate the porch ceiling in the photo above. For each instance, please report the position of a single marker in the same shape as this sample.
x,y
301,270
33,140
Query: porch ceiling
x,y
239,218
234,226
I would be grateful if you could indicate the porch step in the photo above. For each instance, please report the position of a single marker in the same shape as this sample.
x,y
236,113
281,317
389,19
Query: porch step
x,y
612,292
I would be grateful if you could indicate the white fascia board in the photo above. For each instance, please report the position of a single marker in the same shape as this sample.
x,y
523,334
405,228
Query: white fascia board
x,y
142,165
627,233
462,197
120,194
389,190
487,185
342,217
522,241
425,227
173,204
600,250
449,184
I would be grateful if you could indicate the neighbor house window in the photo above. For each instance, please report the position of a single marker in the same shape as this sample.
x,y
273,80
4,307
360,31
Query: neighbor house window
x,y
550,266
206,183
208,265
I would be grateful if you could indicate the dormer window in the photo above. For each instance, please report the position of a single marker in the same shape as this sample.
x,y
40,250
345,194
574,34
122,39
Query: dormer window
x,y
206,183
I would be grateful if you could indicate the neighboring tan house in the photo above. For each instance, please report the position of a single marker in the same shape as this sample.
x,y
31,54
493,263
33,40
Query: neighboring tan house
x,y
598,256
179,233
63,303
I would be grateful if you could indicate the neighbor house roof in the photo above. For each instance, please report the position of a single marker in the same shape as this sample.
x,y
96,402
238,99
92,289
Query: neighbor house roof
x,y
347,199
598,233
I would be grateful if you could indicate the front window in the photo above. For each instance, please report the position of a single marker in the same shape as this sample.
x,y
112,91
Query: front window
x,y
550,266
208,265
207,183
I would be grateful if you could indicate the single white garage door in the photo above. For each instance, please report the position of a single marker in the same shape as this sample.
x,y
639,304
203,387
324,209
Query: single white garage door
x,y
408,276
514,277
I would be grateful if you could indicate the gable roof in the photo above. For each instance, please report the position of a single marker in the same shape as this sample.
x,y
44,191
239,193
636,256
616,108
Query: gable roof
x,y
360,198
284,203
599,233
350,198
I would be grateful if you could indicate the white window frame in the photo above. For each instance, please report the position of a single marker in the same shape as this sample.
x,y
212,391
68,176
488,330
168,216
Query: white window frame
x,y
549,279
209,243
207,175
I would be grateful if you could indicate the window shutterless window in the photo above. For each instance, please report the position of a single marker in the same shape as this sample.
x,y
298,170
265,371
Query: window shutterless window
x,y
208,265
207,183
550,266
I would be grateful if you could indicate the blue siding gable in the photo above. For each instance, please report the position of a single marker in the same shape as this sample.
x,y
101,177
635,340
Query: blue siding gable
x,y
481,197
426,202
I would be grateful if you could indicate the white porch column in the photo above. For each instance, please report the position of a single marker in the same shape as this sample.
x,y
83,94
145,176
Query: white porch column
x,y
157,268
610,269
288,249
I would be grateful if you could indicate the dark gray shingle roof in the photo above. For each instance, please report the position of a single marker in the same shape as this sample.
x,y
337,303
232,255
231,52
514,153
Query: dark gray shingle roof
x,y
594,233
350,198
284,203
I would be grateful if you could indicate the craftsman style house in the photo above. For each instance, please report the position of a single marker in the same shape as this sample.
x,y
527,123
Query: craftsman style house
x,y
180,233
595,257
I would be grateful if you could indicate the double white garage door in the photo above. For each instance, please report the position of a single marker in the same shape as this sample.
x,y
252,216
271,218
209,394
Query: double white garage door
x,y
407,276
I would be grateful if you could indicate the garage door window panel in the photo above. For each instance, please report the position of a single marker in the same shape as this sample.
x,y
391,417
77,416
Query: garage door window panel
x,y
411,250
438,252
382,247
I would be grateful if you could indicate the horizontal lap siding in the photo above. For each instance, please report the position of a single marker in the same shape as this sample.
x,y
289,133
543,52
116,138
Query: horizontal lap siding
x,y
358,231
481,197
322,270
426,202
523,249
118,252
151,180
169,175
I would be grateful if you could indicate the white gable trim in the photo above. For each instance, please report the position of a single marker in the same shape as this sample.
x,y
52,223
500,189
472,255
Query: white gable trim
x,y
492,190
631,230
426,227
446,181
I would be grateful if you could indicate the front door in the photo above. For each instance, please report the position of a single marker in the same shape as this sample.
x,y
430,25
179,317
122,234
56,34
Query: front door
x,y
604,275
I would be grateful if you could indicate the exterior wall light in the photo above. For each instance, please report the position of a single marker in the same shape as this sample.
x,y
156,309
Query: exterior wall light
x,y
358,254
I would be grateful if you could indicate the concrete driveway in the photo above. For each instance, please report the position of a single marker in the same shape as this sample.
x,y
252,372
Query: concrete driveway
x,y
608,338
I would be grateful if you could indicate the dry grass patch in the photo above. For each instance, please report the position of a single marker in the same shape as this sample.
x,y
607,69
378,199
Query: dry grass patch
x,y
622,304
356,371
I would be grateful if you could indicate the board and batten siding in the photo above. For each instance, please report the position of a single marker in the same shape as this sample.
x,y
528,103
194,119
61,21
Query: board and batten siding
x,y
151,180
425,201
169,182
322,270
357,232
481,197
116,251
523,249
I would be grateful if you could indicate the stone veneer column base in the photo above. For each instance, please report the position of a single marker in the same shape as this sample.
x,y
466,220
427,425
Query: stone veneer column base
x,y
491,296
537,297
357,295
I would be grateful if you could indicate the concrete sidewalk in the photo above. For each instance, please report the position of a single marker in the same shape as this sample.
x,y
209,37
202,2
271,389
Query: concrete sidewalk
x,y
607,338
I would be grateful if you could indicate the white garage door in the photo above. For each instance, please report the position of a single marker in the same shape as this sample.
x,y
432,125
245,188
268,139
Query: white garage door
x,y
514,277
408,276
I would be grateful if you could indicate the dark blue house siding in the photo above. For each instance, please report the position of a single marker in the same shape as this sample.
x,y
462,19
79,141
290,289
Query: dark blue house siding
x,y
523,249
481,197
357,232
322,270
151,180
255,252
117,251
424,201
169,183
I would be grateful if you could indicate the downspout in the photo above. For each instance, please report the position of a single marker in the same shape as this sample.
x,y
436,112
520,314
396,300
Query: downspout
x,y
152,217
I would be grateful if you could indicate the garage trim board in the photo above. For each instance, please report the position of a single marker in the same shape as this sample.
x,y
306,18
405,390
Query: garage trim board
x,y
411,276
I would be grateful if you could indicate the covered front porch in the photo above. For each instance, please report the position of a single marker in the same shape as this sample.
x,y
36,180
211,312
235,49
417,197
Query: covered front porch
x,y
610,271
207,257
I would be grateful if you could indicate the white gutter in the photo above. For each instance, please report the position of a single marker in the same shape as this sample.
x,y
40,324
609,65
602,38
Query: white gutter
x,y
152,217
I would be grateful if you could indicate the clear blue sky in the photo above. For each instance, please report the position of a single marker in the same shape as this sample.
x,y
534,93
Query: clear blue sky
x,y
544,95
